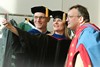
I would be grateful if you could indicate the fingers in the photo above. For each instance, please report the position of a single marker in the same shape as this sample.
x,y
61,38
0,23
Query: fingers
x,y
7,24
4,22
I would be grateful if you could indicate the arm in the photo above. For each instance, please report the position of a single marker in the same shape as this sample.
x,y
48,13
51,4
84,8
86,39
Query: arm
x,y
10,27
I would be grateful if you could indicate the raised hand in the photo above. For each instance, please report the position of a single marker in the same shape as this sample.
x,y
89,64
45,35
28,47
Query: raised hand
x,y
10,26
7,24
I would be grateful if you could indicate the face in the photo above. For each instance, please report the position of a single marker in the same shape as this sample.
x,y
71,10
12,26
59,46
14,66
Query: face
x,y
58,25
73,19
40,21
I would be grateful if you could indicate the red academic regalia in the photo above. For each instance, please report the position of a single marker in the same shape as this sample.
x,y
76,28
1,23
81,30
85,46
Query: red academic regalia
x,y
73,51
87,46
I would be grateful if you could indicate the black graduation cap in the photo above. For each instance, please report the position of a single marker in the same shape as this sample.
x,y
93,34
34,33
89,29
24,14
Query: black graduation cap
x,y
59,14
42,9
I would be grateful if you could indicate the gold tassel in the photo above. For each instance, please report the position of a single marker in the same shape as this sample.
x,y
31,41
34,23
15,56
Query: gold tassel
x,y
64,17
47,12
28,19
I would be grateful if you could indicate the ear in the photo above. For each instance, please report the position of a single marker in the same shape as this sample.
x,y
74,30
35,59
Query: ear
x,y
81,19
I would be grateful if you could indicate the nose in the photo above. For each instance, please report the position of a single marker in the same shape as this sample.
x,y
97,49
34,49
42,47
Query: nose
x,y
67,19
38,19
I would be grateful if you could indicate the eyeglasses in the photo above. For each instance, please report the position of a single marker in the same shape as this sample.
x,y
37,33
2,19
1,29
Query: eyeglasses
x,y
40,17
73,16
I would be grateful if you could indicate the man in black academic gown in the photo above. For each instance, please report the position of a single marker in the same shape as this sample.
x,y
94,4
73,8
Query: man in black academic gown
x,y
29,50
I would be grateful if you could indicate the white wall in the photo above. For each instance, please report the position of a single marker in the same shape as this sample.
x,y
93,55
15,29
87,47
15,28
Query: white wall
x,y
24,6
99,14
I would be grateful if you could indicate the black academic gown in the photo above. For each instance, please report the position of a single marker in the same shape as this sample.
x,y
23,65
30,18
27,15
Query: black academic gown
x,y
37,51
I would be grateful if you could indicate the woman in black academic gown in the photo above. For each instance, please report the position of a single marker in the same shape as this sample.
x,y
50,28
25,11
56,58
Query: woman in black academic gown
x,y
40,50
60,32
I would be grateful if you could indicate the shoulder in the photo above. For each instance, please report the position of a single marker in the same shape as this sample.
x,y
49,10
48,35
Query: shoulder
x,y
89,36
89,30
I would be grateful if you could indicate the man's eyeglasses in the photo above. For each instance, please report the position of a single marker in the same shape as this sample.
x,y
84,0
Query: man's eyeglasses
x,y
40,17
73,16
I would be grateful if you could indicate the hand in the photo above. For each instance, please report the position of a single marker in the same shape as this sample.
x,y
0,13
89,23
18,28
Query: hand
x,y
7,24
10,27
